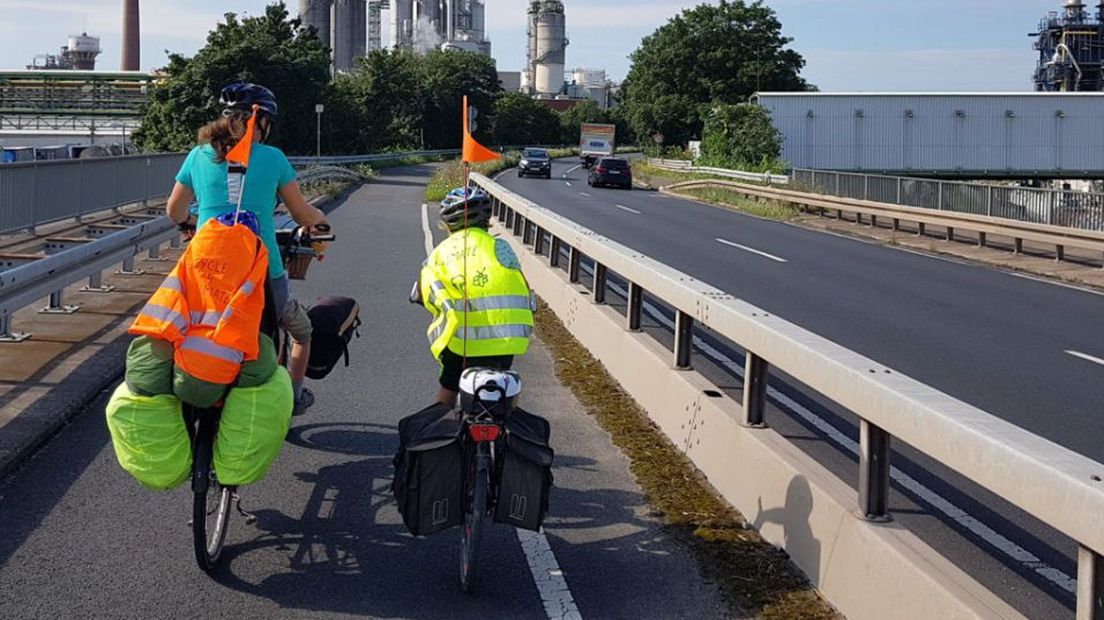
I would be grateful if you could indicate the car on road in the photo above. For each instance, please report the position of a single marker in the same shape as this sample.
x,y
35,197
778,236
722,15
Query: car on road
x,y
535,162
611,171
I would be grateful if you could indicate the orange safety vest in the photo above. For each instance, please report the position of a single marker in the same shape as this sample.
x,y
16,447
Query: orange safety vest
x,y
211,304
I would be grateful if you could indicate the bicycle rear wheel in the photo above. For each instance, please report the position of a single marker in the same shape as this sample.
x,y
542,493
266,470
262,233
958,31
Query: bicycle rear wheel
x,y
210,507
473,523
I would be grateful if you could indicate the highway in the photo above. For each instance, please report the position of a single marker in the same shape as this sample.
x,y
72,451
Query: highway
x,y
83,540
1030,352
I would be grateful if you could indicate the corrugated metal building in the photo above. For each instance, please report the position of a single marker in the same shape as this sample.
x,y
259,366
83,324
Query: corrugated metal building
x,y
974,135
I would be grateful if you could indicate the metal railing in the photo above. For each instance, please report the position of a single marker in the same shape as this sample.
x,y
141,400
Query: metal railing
x,y
1082,210
1052,483
36,193
338,160
683,165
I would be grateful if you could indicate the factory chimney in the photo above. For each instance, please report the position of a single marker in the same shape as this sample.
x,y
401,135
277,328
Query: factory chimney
x,y
131,38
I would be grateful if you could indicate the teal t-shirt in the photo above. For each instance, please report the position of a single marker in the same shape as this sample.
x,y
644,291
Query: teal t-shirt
x,y
269,170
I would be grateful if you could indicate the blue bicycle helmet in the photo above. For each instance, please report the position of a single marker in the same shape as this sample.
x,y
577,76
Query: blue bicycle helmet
x,y
243,96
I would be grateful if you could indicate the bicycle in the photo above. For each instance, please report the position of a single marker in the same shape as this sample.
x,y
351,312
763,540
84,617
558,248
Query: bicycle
x,y
482,419
211,500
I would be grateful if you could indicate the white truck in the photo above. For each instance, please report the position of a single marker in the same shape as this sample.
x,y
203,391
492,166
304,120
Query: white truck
x,y
597,140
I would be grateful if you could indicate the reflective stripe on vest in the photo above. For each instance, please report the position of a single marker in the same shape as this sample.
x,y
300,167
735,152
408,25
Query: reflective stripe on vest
x,y
203,345
493,332
158,312
173,284
210,318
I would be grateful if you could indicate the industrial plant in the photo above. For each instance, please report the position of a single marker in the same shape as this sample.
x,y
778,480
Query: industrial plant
x,y
547,44
1071,49
79,55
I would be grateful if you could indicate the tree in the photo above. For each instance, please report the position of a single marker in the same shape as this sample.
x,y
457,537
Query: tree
x,y
381,105
519,120
571,121
446,76
711,54
741,136
269,49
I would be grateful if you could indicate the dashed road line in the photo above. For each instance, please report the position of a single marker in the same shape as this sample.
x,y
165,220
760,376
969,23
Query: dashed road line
x,y
752,250
584,194
1087,357
570,170
624,208
426,230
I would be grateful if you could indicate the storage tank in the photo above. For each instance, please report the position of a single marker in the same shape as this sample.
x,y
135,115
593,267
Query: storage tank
x,y
589,77
402,23
316,13
82,51
551,43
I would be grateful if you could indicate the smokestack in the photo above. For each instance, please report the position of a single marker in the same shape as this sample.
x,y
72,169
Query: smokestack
x,y
131,37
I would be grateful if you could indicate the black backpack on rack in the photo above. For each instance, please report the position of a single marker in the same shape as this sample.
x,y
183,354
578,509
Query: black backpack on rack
x,y
335,320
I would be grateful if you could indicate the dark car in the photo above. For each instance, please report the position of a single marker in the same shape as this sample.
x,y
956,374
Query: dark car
x,y
610,171
535,162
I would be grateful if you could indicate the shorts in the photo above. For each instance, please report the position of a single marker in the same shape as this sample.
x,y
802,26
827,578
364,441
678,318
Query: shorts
x,y
293,315
452,366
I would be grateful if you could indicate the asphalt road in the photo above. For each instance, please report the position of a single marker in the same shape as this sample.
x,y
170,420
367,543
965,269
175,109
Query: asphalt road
x,y
81,539
990,338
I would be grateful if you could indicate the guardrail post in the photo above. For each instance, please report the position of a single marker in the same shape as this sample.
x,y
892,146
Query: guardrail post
x,y
96,285
939,191
128,268
896,224
574,261
6,334
1090,585
598,292
684,339
981,239
538,242
554,251
519,221
873,472
756,371
1060,253
989,201
1017,246
866,187
510,215
899,182
636,306
1051,207
527,232
950,233
57,306
873,221
920,229
174,243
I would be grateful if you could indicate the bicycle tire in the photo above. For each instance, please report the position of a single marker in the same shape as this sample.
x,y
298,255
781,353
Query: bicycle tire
x,y
473,526
208,541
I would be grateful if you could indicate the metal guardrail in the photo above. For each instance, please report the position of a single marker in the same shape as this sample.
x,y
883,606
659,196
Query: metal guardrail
x,y
1058,236
337,160
36,193
1052,483
327,173
682,165
1081,210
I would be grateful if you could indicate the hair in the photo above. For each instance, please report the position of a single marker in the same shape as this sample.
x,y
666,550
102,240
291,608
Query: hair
x,y
222,134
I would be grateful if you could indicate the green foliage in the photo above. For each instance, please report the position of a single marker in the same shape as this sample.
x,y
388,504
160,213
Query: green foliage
x,y
741,137
269,49
520,119
452,175
710,54
572,119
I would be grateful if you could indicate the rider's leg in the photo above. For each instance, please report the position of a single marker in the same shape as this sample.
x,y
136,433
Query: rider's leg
x,y
297,323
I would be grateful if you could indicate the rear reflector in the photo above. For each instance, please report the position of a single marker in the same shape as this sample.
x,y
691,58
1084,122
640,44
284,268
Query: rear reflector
x,y
484,432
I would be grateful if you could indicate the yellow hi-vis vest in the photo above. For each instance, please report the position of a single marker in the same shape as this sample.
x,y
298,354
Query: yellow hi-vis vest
x,y
499,311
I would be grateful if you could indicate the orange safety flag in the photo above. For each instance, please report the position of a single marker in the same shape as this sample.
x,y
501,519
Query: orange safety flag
x,y
474,152
240,153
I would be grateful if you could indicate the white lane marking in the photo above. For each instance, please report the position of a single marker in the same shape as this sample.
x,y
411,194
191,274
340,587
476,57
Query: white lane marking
x,y
624,208
1003,545
1086,357
752,250
570,170
568,183
584,194
557,599
1043,280
426,231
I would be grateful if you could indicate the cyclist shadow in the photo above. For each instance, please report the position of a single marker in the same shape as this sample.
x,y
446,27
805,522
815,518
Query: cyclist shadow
x,y
348,551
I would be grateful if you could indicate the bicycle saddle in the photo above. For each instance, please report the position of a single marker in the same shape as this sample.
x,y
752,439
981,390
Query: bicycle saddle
x,y
489,385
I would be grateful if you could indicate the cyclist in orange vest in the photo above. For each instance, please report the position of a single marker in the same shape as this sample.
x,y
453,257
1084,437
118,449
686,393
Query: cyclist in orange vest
x,y
206,177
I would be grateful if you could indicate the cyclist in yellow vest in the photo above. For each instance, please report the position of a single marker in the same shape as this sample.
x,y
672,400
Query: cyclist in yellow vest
x,y
473,286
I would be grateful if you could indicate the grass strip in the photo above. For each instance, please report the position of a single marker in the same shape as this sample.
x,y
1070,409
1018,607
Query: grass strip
x,y
754,575
451,175
729,199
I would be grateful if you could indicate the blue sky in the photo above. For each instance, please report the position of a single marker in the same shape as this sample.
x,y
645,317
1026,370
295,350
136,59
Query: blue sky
x,y
849,44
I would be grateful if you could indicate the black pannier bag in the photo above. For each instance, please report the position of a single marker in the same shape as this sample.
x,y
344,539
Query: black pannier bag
x,y
524,473
429,471
335,320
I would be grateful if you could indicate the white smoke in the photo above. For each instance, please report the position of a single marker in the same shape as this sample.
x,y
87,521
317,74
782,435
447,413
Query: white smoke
x,y
426,37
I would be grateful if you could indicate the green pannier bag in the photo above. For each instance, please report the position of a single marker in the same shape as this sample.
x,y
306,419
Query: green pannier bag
x,y
149,366
151,442
196,392
252,430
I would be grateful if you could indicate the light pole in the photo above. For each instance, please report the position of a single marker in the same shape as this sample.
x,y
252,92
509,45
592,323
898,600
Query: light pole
x,y
318,109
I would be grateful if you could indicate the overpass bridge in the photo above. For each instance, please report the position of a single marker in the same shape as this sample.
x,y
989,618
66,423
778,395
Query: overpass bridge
x,y
835,344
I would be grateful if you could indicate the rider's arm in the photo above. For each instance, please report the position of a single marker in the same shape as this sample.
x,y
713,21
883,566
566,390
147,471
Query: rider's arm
x,y
301,211
177,206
